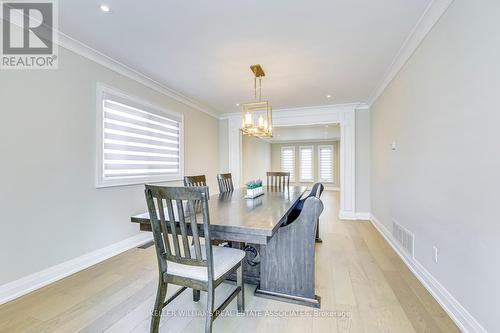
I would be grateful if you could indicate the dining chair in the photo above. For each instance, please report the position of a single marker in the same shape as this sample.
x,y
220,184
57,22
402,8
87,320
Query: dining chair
x,y
200,180
197,266
278,180
316,191
225,181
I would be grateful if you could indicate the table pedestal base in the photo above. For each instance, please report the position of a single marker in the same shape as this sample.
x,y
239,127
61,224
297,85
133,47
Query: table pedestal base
x,y
311,302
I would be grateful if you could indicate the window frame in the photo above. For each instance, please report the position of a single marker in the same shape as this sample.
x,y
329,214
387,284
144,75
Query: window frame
x,y
292,179
332,147
133,101
303,180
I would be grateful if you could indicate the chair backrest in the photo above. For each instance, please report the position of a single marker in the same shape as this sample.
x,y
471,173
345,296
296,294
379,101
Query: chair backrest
x,y
200,180
310,211
278,180
225,181
316,190
172,212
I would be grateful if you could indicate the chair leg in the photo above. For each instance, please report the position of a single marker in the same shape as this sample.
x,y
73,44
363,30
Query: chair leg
x,y
210,309
318,239
240,298
160,298
196,295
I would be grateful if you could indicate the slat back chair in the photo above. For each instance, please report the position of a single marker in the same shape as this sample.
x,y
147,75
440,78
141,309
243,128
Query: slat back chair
x,y
197,266
200,180
225,181
278,180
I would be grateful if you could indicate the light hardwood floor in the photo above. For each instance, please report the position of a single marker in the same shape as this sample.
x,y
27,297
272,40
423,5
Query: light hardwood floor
x,y
360,279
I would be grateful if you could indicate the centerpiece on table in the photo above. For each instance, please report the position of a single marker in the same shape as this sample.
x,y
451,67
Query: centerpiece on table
x,y
254,189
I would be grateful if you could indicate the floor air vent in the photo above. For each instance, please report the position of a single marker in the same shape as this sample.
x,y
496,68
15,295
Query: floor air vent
x,y
404,238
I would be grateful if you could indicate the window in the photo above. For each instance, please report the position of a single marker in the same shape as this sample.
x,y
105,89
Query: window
x,y
306,155
288,161
325,153
137,143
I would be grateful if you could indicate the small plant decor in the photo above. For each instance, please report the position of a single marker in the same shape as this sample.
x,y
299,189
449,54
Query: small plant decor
x,y
254,184
254,189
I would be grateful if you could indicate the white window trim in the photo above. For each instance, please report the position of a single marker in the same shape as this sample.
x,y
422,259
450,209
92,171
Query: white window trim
x,y
302,180
101,90
333,165
292,179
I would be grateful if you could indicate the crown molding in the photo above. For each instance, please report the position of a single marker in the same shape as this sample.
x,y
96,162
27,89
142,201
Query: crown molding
x,y
100,58
305,110
429,18
272,141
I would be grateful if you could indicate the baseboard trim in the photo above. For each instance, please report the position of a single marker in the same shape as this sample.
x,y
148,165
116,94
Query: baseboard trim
x,y
352,216
363,216
42,278
464,320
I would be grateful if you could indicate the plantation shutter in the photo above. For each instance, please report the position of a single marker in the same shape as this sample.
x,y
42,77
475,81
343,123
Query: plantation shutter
x,y
288,161
325,163
306,163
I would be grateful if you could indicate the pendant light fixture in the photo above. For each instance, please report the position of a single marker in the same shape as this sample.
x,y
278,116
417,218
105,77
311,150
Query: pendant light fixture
x,y
256,116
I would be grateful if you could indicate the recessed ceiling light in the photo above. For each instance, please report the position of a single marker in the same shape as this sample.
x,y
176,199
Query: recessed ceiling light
x,y
328,96
105,8
237,104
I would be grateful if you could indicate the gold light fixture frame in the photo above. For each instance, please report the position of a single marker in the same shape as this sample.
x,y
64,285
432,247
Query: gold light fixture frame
x,y
262,110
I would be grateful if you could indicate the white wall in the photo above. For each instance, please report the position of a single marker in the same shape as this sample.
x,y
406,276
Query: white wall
x,y
51,210
442,182
363,160
256,159
223,146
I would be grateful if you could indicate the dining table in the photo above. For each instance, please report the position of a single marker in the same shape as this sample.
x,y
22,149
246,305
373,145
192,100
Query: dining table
x,y
251,224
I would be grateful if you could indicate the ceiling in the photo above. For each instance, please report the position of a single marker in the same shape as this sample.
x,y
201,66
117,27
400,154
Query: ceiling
x,y
306,133
203,50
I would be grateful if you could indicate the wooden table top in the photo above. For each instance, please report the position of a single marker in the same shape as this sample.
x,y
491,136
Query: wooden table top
x,y
231,212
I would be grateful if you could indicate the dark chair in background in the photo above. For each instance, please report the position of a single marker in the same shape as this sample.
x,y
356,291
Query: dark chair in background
x,y
278,180
225,181
200,180
197,266
316,191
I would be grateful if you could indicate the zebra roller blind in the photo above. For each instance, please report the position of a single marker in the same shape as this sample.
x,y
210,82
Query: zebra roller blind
x,y
139,143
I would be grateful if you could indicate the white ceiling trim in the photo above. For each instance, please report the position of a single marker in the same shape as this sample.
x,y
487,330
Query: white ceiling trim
x,y
88,52
429,18
306,110
303,141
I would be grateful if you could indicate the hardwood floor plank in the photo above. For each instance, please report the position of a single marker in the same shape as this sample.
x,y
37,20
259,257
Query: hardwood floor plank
x,y
421,320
